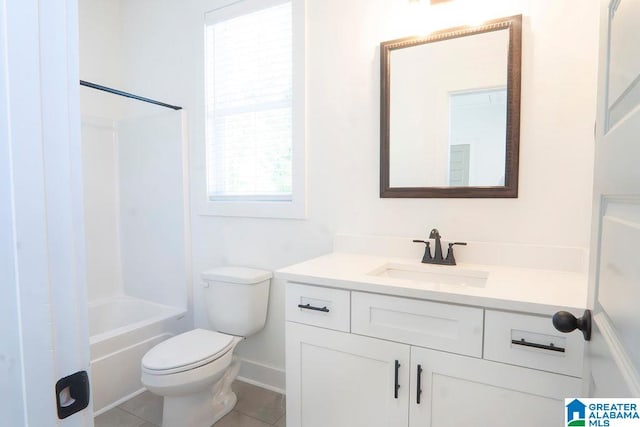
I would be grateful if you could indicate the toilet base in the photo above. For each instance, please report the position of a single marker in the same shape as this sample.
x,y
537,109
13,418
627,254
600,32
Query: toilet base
x,y
204,408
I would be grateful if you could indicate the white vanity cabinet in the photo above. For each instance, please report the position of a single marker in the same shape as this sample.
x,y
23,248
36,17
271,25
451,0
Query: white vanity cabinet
x,y
342,380
451,363
460,390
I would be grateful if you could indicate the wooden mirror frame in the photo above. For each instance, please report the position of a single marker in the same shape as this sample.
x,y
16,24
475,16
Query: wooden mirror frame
x,y
510,189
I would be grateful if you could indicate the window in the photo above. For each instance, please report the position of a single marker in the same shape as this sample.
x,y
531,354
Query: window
x,y
254,145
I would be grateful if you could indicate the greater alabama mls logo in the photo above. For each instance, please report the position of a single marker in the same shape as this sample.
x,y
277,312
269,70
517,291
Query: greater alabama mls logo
x,y
602,412
575,413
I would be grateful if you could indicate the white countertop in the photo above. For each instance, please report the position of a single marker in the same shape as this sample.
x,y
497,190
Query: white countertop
x,y
507,288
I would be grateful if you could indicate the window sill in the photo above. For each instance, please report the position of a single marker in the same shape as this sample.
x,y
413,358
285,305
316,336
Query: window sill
x,y
254,209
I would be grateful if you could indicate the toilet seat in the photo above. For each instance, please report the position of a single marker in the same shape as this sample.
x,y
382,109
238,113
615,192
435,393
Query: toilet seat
x,y
186,351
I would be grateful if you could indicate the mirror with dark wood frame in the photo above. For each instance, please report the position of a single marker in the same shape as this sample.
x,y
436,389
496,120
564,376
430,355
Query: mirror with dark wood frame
x,y
450,113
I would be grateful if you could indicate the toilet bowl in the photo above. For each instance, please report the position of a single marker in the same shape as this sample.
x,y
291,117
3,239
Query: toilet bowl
x,y
194,371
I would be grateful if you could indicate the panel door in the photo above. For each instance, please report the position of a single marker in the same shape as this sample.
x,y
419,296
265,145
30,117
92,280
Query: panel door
x,y
341,380
459,391
613,354
43,307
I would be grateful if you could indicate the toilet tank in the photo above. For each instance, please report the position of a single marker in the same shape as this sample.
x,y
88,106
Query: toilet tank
x,y
236,299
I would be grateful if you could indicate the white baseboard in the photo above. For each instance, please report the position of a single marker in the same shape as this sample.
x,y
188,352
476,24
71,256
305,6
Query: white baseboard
x,y
262,375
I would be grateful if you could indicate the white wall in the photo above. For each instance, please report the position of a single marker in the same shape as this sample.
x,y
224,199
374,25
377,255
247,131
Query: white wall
x,y
164,57
101,56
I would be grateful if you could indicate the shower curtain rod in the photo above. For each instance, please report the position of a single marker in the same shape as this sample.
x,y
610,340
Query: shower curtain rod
x,y
127,94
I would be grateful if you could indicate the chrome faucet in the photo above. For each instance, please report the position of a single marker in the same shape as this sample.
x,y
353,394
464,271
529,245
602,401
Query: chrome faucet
x,y
437,257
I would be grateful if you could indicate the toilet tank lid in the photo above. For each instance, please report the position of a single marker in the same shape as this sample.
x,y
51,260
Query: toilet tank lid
x,y
242,275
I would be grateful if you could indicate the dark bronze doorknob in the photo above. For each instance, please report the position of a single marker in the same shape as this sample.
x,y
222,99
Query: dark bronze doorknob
x,y
567,322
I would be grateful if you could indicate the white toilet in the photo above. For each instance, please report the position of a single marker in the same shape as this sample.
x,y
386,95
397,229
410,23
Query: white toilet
x,y
193,371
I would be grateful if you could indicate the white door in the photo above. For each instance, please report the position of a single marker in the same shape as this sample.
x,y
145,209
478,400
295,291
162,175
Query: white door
x,y
43,319
450,390
613,354
342,380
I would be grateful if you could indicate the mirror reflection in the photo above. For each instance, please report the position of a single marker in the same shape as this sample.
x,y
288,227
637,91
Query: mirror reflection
x,y
477,133
447,130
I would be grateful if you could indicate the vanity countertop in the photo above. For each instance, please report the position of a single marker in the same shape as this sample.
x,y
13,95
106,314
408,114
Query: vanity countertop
x,y
506,288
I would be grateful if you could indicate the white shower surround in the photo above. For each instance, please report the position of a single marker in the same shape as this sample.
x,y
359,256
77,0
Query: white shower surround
x,y
137,242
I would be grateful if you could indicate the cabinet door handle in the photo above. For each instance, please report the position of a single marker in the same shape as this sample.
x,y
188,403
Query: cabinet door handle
x,y
310,307
396,385
419,381
525,343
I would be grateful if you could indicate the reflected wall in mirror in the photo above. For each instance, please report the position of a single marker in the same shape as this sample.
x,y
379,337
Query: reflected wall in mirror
x,y
450,112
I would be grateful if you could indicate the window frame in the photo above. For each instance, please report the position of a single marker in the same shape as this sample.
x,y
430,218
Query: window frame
x,y
295,206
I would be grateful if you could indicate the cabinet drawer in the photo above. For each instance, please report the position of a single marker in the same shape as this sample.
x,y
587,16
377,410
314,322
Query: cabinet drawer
x,y
531,341
447,327
317,306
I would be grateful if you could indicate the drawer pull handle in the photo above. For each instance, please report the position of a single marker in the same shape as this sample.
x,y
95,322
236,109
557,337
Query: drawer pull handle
x,y
396,385
535,345
419,380
310,307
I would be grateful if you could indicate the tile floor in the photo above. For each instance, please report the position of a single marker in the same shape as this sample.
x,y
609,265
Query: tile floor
x,y
256,407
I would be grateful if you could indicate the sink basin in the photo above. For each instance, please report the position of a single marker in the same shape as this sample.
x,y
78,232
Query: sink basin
x,y
435,275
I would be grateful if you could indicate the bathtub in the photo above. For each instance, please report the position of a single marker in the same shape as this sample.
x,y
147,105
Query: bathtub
x,y
121,331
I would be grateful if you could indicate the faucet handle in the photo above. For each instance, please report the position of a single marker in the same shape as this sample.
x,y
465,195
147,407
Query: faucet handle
x,y
427,250
450,259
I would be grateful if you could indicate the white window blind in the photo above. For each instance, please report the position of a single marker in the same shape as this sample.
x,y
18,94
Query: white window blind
x,y
249,104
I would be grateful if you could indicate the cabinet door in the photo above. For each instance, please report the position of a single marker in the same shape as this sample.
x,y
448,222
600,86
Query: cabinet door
x,y
341,380
460,390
